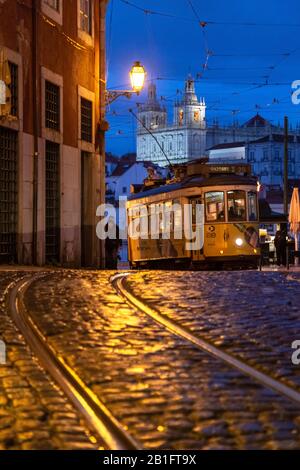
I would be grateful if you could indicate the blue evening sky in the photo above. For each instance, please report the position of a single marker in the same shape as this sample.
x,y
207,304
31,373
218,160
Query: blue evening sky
x,y
254,56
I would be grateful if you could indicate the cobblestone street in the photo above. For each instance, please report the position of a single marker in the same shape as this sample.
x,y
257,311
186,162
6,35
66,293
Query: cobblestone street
x,y
250,314
165,392
34,414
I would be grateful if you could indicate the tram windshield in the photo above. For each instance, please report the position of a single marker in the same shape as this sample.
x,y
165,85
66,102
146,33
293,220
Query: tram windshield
x,y
236,205
215,206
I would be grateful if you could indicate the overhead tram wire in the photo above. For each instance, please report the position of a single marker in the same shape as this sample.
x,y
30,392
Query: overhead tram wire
x,y
154,137
217,23
202,24
260,54
284,56
158,13
255,84
215,80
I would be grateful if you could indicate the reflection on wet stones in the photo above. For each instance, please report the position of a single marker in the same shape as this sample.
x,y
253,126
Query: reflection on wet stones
x,y
166,392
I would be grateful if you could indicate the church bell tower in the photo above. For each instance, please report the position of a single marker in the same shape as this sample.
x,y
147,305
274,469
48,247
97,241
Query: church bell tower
x,y
152,114
190,112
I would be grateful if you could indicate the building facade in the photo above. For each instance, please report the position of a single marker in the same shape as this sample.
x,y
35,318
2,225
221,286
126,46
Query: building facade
x,y
52,160
190,135
266,156
180,141
119,180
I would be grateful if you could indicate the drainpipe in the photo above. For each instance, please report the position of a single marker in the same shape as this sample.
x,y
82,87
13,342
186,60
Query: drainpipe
x,y
35,115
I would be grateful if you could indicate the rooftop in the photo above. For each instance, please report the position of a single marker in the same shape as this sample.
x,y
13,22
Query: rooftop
x,y
228,145
257,121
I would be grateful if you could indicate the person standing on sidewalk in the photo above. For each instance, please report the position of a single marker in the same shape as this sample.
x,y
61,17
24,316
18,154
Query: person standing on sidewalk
x,y
280,245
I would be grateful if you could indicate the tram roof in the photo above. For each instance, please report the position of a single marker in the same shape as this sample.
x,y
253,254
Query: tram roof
x,y
196,181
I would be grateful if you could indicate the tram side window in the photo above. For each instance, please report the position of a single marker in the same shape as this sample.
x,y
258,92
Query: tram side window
x,y
214,204
138,220
144,222
236,206
166,223
252,206
154,220
177,219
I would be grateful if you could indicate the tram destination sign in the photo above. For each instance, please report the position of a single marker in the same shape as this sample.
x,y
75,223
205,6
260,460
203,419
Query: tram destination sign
x,y
235,169
219,168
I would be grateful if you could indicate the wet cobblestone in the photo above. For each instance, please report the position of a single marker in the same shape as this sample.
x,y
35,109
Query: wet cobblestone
x,y
34,415
255,316
164,390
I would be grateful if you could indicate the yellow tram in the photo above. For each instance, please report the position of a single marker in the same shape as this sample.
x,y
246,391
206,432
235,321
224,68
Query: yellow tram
x,y
230,222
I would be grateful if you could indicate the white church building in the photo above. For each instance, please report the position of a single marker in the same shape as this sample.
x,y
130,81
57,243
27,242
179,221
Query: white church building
x,y
184,139
189,136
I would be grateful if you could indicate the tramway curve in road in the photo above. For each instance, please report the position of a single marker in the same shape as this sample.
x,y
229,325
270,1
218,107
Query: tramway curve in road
x,y
99,419
119,283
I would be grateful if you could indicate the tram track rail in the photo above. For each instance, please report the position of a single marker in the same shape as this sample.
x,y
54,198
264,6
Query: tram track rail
x,y
119,282
98,418
100,422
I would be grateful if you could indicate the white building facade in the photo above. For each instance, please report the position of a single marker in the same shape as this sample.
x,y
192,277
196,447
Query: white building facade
x,y
266,156
184,139
189,136
121,179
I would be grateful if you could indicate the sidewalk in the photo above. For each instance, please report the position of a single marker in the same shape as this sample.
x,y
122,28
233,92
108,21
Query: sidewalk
x,y
21,268
274,268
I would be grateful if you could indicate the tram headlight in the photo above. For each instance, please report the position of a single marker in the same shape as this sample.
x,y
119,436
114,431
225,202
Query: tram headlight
x,y
239,242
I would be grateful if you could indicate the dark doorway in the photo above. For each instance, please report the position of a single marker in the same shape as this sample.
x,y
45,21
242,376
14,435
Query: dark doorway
x,y
52,203
86,200
8,195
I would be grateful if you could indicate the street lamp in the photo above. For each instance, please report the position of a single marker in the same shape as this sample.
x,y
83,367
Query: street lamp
x,y
137,77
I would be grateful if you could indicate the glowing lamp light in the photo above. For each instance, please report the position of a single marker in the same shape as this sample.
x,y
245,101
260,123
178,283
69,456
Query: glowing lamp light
x,y
137,77
239,242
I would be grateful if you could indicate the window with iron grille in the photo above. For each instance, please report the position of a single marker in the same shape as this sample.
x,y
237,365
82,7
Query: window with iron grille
x,y
52,202
8,194
52,106
14,88
52,4
86,16
86,120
